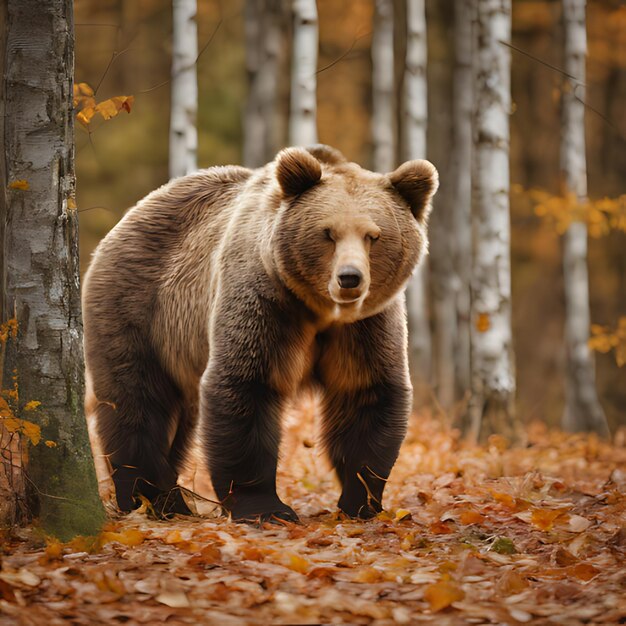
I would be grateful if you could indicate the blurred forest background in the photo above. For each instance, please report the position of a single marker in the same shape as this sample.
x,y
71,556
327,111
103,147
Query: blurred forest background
x,y
124,47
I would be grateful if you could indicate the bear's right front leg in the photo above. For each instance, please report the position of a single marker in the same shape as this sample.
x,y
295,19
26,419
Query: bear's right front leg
x,y
242,434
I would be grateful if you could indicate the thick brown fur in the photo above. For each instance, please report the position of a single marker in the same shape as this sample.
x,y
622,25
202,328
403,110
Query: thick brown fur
x,y
221,294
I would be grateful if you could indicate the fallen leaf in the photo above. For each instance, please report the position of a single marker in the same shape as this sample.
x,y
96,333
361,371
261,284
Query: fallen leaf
x,y
442,594
173,599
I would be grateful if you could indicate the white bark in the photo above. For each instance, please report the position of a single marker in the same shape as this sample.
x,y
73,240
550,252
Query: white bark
x,y
265,39
40,259
383,111
583,410
184,94
492,370
303,113
461,189
415,118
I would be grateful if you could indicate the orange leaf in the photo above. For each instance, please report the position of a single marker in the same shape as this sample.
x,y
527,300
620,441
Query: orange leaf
x,y
544,518
19,184
111,107
442,594
208,555
583,571
483,322
471,517
84,116
440,528
368,575
504,499
130,537
511,583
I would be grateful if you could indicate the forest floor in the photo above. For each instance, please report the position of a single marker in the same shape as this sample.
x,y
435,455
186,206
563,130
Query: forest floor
x,y
471,535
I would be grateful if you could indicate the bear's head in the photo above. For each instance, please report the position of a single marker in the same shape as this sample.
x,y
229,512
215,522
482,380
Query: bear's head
x,y
346,240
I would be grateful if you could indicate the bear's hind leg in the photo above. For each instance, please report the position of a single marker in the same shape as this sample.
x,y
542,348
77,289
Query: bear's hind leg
x,y
137,422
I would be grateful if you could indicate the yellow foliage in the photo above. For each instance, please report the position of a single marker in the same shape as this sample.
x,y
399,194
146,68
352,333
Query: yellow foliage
x,y
85,102
604,339
8,329
483,323
19,184
32,405
600,215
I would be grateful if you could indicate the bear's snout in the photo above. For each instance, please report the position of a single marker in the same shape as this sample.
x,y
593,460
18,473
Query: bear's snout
x,y
349,277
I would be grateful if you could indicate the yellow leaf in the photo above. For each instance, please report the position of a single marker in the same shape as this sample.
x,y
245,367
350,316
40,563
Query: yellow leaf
x,y
111,107
298,564
402,514
130,537
71,203
5,410
12,424
50,444
84,116
32,405
483,323
83,89
368,575
31,431
19,184
442,594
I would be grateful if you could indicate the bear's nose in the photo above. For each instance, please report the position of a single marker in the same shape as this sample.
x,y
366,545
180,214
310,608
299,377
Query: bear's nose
x,y
349,277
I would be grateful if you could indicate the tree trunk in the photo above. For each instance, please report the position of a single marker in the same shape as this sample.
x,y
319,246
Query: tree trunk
x,y
40,263
415,119
183,131
493,378
303,113
582,410
383,111
461,192
265,39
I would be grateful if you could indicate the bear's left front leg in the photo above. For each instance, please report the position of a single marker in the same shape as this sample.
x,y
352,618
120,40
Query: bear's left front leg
x,y
366,403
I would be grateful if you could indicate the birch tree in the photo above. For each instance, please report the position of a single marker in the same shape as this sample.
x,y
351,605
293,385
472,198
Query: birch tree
x,y
40,272
415,120
461,189
383,105
184,94
492,369
582,410
265,38
303,110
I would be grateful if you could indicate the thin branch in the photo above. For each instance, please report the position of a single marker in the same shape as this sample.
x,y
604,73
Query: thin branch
x,y
538,60
113,58
206,45
342,56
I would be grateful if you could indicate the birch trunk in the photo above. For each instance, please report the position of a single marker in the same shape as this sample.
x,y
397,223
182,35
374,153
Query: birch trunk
x,y
184,108
415,119
265,38
383,109
582,410
492,370
303,113
40,261
461,190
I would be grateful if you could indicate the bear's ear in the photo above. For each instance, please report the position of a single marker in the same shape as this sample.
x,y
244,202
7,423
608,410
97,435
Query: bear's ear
x,y
326,154
297,170
416,181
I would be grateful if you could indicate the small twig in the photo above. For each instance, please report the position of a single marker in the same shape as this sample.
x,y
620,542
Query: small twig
x,y
182,69
344,54
538,60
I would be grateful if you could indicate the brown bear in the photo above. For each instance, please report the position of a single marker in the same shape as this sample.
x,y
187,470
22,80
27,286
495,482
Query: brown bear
x,y
221,294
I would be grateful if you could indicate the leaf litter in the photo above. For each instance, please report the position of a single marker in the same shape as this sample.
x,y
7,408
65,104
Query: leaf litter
x,y
487,534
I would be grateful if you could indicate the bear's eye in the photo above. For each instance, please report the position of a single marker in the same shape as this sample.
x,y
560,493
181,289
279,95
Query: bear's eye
x,y
328,234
